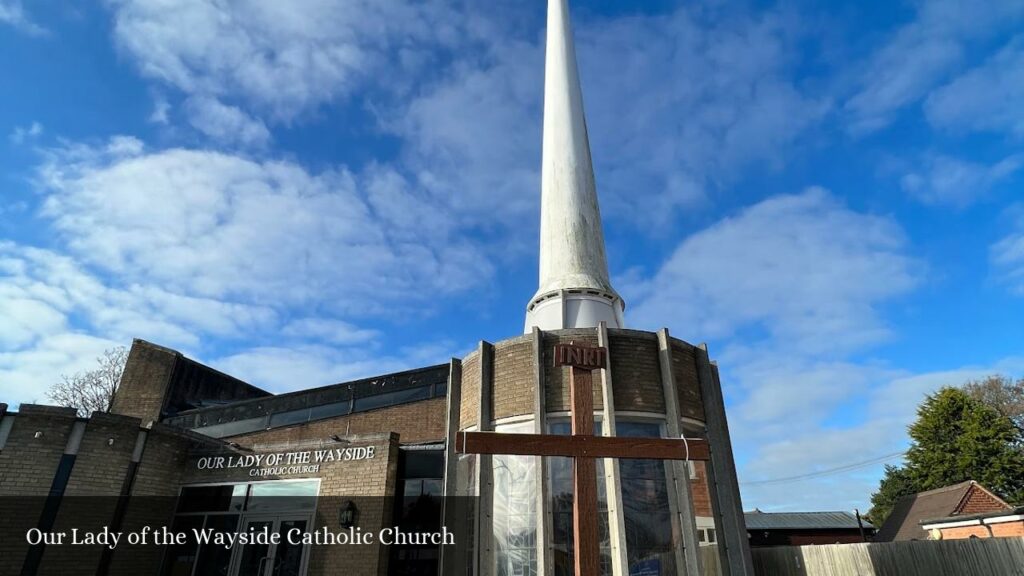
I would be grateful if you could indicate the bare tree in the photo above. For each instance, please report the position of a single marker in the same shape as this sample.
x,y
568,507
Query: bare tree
x,y
1001,393
92,390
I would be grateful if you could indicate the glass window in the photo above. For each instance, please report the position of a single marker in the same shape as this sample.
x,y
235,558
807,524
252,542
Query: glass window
x,y
233,428
646,510
290,417
392,398
222,498
283,495
329,410
214,559
441,389
515,510
179,558
560,472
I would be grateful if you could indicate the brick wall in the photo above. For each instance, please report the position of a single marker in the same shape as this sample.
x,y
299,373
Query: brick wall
x,y
154,494
422,421
1001,530
701,492
684,370
1008,529
961,532
27,463
636,372
513,394
370,482
978,501
99,473
27,468
144,383
469,408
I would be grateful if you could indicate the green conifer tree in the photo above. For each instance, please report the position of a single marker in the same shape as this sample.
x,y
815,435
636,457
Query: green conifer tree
x,y
955,438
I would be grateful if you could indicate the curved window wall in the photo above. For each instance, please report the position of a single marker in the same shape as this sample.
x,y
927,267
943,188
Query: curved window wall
x,y
647,508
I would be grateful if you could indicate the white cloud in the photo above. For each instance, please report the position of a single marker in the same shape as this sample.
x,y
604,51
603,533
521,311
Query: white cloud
x,y
215,225
794,289
721,101
22,134
921,55
887,401
25,375
949,181
804,268
225,124
303,366
989,97
202,250
161,110
281,58
12,12
1007,254
328,330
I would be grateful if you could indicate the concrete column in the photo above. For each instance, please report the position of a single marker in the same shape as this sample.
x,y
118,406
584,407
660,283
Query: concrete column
x,y
449,561
684,521
545,521
485,466
722,471
613,481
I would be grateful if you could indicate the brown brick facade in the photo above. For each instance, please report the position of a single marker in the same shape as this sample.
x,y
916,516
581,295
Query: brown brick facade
x,y
144,382
684,369
372,481
470,390
422,421
513,396
635,373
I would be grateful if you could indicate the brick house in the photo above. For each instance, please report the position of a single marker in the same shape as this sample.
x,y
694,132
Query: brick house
x,y
1001,524
966,499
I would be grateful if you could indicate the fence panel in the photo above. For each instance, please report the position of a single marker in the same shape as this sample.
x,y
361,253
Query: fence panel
x,y
973,557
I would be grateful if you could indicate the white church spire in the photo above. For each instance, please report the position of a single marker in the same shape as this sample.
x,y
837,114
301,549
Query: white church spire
x,y
574,291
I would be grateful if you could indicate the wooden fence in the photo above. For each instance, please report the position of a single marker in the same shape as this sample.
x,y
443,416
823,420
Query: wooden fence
x,y
973,557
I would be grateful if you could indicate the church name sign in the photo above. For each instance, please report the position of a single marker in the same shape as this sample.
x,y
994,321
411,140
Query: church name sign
x,y
584,357
284,463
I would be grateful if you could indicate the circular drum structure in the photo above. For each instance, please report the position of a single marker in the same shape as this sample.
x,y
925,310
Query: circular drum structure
x,y
654,515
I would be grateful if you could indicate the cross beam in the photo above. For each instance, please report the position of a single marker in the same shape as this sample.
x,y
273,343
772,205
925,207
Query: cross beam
x,y
583,447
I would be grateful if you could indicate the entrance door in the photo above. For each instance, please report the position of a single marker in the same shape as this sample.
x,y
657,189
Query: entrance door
x,y
283,559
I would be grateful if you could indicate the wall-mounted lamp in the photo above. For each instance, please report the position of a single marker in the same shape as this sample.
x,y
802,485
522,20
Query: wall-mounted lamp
x,y
39,434
348,515
110,441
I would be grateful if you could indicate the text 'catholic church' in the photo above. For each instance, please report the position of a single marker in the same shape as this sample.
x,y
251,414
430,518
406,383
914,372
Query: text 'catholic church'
x,y
200,447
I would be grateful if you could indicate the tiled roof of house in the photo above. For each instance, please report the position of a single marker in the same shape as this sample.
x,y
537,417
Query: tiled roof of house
x,y
904,523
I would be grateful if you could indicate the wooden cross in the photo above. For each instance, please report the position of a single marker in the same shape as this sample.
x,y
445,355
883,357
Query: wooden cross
x,y
583,447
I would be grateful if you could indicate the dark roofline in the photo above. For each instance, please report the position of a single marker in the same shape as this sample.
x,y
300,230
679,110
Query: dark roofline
x,y
795,517
309,390
194,361
982,516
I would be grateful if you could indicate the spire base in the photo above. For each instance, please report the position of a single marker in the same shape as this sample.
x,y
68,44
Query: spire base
x,y
574,308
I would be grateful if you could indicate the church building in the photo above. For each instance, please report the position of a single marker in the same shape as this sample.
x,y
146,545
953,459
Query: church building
x,y
380,462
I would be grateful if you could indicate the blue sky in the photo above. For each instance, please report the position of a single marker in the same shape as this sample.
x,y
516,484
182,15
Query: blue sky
x,y
308,192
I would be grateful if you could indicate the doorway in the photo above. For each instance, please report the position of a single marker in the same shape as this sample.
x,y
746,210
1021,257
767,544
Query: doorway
x,y
282,559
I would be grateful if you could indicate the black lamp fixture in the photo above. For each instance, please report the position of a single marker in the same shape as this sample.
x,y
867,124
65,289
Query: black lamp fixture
x,y
348,514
